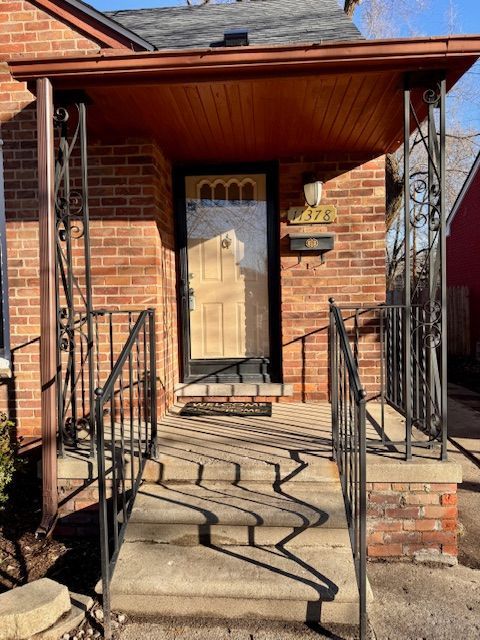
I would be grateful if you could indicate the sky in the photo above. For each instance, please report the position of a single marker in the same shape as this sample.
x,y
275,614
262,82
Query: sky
x,y
434,21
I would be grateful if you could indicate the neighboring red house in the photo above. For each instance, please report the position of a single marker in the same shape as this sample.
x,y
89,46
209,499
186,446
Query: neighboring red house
x,y
463,248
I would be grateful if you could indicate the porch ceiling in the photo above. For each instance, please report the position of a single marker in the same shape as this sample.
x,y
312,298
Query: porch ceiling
x,y
258,103
256,119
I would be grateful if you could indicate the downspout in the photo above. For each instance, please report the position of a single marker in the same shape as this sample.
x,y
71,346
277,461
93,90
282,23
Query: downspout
x,y
5,355
48,305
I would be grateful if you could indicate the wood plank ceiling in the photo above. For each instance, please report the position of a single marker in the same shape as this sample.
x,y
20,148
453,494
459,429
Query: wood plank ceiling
x,y
255,119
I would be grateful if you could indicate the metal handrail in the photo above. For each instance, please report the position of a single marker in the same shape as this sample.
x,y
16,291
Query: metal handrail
x,y
76,389
349,359
104,393
137,397
349,447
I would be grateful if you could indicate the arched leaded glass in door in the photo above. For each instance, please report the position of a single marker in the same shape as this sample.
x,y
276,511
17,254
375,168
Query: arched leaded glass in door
x,y
226,220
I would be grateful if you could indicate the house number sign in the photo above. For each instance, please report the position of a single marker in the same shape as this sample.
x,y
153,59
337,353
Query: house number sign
x,y
323,214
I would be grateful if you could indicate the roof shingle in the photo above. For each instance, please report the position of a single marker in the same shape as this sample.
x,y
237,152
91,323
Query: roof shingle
x,y
270,22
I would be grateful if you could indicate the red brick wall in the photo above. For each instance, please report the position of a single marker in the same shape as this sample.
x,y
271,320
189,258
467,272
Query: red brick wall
x,y
415,520
353,273
463,249
24,29
132,243
131,231
133,264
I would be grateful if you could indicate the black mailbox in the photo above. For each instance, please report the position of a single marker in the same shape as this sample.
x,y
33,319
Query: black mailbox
x,y
312,242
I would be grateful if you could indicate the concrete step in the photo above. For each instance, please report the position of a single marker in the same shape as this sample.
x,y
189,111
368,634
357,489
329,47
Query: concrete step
x,y
194,466
305,583
228,535
271,389
246,505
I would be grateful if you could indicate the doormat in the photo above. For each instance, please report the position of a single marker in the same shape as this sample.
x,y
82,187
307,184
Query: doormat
x,y
227,409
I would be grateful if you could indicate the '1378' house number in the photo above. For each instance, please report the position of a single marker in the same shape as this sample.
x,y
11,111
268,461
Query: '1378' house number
x,y
323,214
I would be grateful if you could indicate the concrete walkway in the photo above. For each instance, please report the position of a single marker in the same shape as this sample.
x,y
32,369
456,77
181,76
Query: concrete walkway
x,y
464,430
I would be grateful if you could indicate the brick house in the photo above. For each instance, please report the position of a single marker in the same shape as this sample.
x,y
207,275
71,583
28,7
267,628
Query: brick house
x,y
173,187
463,242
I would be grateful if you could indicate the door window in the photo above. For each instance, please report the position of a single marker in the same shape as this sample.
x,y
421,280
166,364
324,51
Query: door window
x,y
227,266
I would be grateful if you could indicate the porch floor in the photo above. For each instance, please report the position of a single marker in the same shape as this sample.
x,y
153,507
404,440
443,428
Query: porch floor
x,y
297,437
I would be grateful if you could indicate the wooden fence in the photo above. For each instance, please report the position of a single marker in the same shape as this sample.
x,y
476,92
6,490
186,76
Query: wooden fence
x,y
458,321
458,317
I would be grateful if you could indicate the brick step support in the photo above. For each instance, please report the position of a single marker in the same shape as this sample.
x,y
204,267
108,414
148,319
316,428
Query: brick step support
x,y
413,514
412,519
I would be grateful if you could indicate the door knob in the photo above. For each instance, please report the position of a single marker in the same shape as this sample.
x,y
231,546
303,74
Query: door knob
x,y
226,242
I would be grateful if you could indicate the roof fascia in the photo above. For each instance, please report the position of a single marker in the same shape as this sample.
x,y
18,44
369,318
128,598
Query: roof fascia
x,y
463,192
373,55
95,24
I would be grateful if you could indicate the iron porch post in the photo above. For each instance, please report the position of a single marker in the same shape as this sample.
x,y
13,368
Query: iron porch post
x,y
407,380
82,115
153,383
430,361
48,304
443,269
362,493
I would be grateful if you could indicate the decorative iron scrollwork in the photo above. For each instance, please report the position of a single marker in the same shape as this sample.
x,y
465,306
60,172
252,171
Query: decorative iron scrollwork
x,y
60,116
432,95
74,305
424,258
424,201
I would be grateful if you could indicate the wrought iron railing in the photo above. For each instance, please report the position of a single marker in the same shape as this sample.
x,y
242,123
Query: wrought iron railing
x,y
126,423
94,345
349,447
396,352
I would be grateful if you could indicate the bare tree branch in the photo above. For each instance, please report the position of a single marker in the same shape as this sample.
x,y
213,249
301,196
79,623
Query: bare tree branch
x,y
458,136
350,6
389,19
393,187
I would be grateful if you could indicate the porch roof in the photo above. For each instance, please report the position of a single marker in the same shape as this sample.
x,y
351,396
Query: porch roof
x,y
259,103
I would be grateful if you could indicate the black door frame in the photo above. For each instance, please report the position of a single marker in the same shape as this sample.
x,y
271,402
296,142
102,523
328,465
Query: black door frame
x,y
230,369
